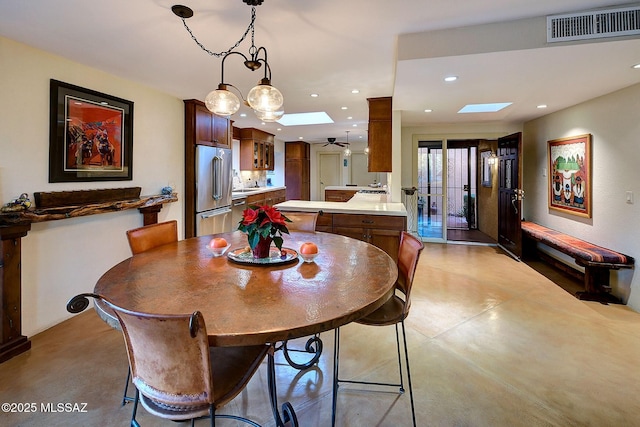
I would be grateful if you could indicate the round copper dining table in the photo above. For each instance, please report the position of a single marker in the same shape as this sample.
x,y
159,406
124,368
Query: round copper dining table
x,y
249,304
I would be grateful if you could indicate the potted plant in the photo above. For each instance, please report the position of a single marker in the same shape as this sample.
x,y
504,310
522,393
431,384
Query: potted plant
x,y
263,225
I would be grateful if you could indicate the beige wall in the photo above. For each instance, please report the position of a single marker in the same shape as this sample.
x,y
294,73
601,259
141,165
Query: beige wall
x,y
66,257
612,120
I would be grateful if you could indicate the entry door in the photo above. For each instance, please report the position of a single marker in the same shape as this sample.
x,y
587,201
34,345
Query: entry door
x,y
510,194
330,171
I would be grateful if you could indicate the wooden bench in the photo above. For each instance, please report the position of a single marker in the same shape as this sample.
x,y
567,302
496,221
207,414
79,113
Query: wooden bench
x,y
596,260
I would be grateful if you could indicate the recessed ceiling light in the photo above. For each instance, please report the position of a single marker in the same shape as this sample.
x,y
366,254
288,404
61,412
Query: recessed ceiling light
x,y
279,129
314,95
343,108
542,106
300,137
484,108
637,66
355,91
297,119
243,114
349,118
355,125
451,78
428,111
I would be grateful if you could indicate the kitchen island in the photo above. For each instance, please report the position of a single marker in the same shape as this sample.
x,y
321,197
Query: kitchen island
x,y
367,217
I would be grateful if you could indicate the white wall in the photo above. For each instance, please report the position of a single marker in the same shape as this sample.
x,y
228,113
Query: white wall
x,y
66,257
612,120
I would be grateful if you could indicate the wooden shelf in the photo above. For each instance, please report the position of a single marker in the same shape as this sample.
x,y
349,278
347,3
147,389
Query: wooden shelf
x,y
63,212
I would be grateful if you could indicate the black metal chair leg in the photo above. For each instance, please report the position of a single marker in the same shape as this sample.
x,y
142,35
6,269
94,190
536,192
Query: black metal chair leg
x,y
126,398
336,357
134,423
399,360
406,355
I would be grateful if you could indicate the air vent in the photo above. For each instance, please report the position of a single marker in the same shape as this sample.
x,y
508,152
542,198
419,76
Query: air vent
x,y
595,24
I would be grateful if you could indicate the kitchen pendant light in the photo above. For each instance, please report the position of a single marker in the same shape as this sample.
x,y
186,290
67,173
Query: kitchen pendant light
x,y
265,100
347,150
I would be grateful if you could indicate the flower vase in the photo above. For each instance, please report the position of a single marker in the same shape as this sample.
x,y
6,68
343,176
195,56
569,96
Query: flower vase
x,y
262,248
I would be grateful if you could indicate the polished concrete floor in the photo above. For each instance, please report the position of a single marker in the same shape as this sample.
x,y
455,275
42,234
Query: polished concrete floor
x,y
492,343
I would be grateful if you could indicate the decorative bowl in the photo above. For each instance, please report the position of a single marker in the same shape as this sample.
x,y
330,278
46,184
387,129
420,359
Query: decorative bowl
x,y
308,257
216,252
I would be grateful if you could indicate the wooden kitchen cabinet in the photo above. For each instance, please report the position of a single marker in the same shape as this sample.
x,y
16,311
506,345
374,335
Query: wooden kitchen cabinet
x,y
256,150
338,195
202,127
380,134
382,231
297,178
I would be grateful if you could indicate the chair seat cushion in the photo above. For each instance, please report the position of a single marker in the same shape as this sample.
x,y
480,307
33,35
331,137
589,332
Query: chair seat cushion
x,y
390,313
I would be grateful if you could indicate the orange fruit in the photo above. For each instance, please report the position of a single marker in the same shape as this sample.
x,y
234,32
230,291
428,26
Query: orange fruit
x,y
308,248
218,242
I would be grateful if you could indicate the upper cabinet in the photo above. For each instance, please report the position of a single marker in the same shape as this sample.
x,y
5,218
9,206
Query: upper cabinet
x,y
202,127
380,132
256,150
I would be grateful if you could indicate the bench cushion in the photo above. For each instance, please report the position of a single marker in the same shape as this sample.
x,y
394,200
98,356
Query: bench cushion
x,y
576,248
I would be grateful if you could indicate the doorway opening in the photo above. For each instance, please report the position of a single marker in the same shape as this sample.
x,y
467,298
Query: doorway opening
x,y
447,206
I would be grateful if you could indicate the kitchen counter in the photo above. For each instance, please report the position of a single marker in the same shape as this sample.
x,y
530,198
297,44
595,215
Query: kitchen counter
x,y
254,190
370,204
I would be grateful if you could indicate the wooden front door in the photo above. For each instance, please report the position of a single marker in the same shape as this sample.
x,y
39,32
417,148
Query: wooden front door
x,y
510,194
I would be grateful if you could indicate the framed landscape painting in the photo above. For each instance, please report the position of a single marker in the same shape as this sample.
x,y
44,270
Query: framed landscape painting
x,y
90,135
570,175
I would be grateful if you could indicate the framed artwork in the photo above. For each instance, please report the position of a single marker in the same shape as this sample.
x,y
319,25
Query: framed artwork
x,y
90,135
570,175
485,168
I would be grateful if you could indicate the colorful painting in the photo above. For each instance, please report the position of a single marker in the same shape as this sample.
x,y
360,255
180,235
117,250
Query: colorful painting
x,y
570,175
91,135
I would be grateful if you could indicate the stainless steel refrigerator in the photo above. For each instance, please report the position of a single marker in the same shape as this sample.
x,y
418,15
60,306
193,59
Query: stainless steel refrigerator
x,y
213,190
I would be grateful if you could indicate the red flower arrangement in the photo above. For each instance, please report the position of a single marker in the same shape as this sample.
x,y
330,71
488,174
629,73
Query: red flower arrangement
x,y
263,222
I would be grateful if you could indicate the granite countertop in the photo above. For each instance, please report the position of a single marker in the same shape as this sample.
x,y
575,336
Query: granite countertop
x,y
368,204
254,190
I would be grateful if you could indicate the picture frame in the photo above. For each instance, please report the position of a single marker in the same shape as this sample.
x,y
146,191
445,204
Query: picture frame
x,y
570,183
485,168
90,135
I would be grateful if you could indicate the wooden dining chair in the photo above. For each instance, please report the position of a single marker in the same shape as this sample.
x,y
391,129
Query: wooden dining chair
x,y
151,236
176,374
392,312
140,239
302,221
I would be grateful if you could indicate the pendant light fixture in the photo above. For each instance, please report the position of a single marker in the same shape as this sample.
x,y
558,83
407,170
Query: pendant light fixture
x,y
347,150
265,100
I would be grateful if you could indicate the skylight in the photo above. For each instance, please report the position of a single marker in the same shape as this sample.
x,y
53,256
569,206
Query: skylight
x,y
298,119
484,108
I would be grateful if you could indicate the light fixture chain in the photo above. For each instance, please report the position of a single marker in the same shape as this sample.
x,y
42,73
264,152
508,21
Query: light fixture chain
x,y
218,55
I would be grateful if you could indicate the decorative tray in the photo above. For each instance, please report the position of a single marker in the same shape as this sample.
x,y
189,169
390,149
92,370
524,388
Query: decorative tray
x,y
245,256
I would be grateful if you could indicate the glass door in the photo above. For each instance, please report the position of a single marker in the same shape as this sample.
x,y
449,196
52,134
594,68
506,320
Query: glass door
x,y
431,190
461,185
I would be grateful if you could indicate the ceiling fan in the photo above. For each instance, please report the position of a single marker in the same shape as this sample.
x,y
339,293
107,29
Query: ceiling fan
x,y
332,141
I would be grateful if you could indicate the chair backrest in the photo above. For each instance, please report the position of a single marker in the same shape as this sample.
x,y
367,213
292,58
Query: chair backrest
x,y
169,358
150,236
302,221
408,254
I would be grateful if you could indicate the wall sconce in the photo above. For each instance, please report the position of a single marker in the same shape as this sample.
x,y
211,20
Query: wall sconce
x,y
265,100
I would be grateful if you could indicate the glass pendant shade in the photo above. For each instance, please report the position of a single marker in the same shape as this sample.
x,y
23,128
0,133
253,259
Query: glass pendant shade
x,y
269,116
265,97
222,102
347,152
366,151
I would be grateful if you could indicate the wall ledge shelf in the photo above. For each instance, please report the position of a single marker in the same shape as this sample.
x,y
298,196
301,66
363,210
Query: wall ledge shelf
x,y
28,216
